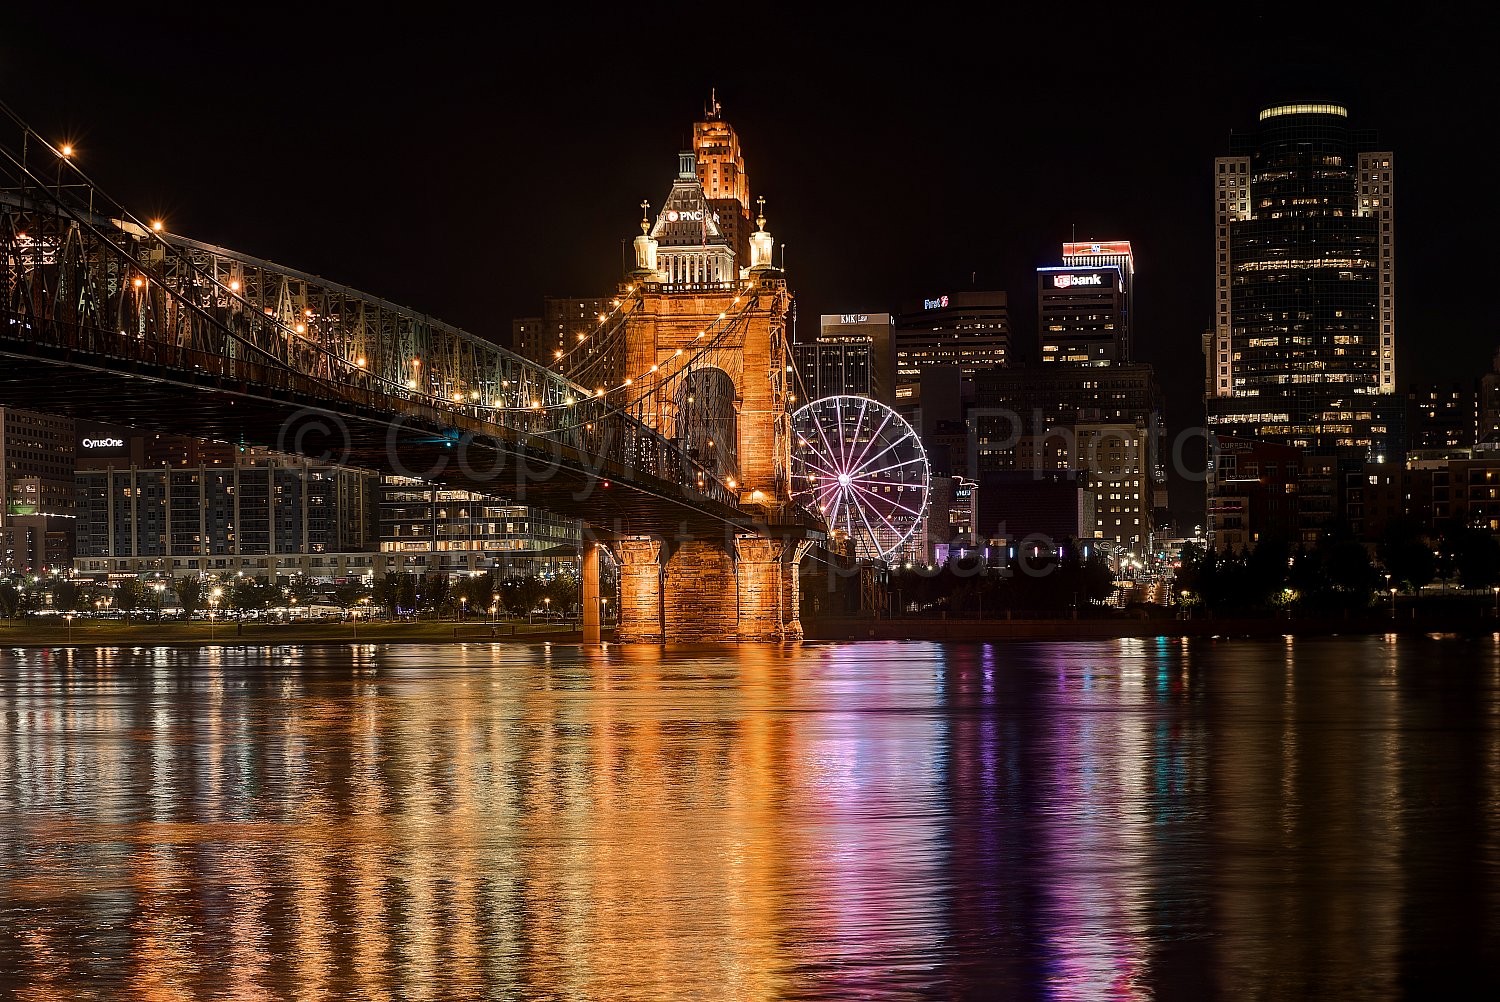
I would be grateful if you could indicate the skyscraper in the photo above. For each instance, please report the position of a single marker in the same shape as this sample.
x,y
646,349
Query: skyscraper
x,y
1302,351
726,184
565,320
1081,315
967,329
854,353
37,456
1102,253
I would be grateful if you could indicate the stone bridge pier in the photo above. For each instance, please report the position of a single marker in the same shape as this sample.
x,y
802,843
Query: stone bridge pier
x,y
740,588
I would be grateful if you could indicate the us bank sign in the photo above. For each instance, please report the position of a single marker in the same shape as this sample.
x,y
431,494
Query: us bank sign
x,y
1071,281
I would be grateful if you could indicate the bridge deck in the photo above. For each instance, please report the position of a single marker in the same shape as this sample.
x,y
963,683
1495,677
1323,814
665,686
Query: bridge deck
x,y
610,495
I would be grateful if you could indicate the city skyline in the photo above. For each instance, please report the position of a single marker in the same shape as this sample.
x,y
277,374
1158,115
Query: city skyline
x,y
449,549
892,171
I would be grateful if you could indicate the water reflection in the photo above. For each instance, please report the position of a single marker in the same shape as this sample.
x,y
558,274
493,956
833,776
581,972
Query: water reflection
x,y
1127,819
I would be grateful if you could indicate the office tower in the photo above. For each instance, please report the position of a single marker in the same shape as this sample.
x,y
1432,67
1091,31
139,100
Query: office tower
x,y
1081,315
1102,253
548,338
1102,425
1017,402
1254,490
526,337
1302,351
1117,459
967,329
726,184
874,332
1442,417
838,369
37,453
1488,432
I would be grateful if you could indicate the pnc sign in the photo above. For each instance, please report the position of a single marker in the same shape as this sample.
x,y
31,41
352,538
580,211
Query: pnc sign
x,y
689,216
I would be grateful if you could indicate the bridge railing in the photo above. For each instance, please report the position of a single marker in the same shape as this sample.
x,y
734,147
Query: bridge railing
x,y
613,447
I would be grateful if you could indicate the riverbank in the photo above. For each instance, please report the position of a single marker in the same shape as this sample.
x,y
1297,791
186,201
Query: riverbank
x,y
970,630
169,633
110,632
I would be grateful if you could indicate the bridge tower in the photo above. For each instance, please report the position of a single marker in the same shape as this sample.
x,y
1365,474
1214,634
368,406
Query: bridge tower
x,y
706,356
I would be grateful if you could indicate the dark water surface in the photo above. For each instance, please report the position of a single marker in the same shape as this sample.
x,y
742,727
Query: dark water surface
x,y
1099,820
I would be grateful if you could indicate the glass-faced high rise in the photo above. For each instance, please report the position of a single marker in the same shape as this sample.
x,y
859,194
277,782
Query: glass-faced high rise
x,y
1303,346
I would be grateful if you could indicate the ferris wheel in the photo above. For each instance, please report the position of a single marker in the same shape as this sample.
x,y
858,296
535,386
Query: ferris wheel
x,y
860,465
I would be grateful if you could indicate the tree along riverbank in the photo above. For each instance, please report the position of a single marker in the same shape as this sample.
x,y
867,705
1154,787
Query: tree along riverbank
x,y
965,630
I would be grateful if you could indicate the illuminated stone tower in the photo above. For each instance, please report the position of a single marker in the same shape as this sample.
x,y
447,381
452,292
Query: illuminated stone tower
x,y
706,361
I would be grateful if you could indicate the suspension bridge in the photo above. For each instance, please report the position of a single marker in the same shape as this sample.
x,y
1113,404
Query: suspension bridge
x,y
665,430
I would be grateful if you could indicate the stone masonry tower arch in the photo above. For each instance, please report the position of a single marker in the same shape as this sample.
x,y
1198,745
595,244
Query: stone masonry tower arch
x,y
699,313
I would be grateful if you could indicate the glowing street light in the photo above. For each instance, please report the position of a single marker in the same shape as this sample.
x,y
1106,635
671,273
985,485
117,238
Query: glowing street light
x,y
365,601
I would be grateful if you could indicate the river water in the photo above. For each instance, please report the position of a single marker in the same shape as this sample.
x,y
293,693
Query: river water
x,y
1255,819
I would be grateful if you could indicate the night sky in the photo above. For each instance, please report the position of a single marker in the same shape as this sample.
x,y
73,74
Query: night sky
x,y
469,169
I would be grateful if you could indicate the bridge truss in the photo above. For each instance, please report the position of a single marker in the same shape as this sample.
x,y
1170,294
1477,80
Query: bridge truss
x,y
86,284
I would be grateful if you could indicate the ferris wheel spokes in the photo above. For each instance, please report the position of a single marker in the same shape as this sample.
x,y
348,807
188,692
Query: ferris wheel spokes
x,y
863,468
